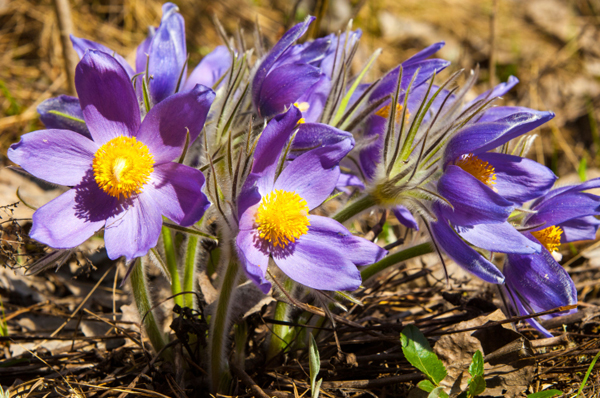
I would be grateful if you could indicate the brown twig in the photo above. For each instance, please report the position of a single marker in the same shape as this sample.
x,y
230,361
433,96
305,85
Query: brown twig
x,y
65,27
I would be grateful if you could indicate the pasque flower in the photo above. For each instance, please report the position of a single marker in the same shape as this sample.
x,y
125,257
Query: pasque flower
x,y
122,175
274,219
536,282
163,53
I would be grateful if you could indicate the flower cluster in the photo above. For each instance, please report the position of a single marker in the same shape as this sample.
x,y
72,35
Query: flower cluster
x,y
277,139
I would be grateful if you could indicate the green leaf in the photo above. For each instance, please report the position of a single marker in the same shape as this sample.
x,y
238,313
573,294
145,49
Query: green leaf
x,y
314,363
582,169
545,394
438,392
476,368
476,385
426,385
587,374
418,352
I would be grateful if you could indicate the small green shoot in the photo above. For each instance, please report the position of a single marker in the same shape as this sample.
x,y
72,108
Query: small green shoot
x,y
3,324
314,362
582,169
546,394
587,374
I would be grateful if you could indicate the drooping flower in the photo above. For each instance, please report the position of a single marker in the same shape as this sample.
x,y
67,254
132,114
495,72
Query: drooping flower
x,y
122,175
536,282
163,53
274,219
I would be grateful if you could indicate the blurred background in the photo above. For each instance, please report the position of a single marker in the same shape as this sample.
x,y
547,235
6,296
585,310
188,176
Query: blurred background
x,y
550,45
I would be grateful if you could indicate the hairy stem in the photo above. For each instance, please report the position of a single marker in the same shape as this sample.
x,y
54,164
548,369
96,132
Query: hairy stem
x,y
172,265
189,271
354,208
395,258
280,334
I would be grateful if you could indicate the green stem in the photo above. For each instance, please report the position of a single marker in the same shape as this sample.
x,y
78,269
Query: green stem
x,y
392,259
280,334
189,271
354,208
219,326
172,265
144,306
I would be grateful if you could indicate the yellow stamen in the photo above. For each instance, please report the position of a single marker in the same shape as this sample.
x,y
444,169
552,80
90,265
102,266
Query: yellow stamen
x,y
549,237
385,112
479,169
302,106
123,166
282,217
302,120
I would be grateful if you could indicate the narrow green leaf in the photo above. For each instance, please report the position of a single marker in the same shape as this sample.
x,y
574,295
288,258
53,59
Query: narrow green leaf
x,y
418,352
476,368
582,169
66,116
476,385
317,389
546,394
587,374
426,385
314,363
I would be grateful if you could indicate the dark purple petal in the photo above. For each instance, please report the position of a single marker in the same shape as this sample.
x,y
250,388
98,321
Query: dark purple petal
x,y
314,174
278,49
315,97
55,113
583,228
502,238
425,53
177,191
109,104
135,230
500,112
590,184
520,309
210,69
165,127
314,261
497,91
370,155
58,156
540,282
564,207
519,179
254,258
473,201
332,59
314,135
405,217
83,45
143,50
283,86
463,254
168,54
59,223
482,137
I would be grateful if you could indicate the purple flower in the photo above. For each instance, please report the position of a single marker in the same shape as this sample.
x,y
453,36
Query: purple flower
x,y
163,52
300,73
123,177
274,217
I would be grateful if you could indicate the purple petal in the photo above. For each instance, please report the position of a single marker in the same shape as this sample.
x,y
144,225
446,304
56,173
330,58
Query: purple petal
x,y
143,50
135,230
167,54
55,113
177,191
283,86
519,179
316,97
74,216
109,104
564,207
583,228
314,261
502,238
425,53
590,184
370,156
473,201
83,45
314,135
539,281
349,180
405,217
254,258
497,91
463,254
278,49
314,174
500,112
210,69
482,137
58,156
165,127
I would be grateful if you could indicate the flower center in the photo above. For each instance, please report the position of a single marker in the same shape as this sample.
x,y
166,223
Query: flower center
x,y
385,112
549,237
282,217
123,166
479,169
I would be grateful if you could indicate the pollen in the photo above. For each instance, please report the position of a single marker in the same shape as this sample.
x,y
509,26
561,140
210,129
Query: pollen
x,y
123,166
282,217
302,106
385,112
479,169
549,237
